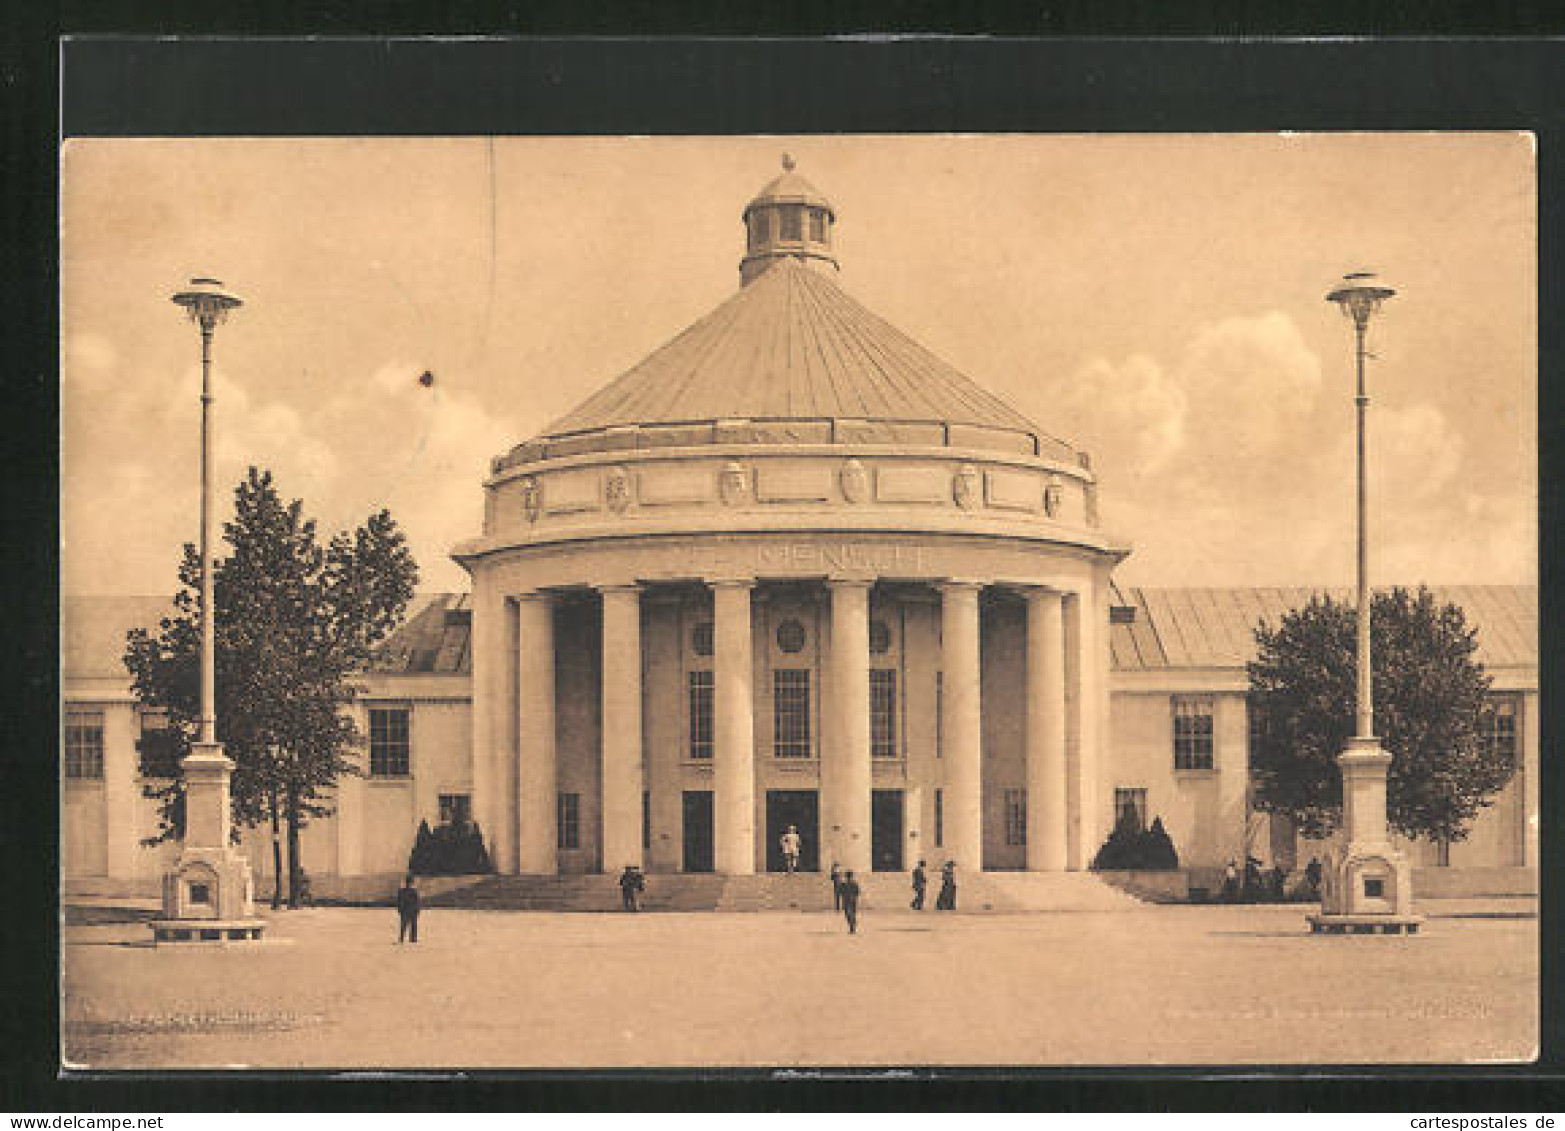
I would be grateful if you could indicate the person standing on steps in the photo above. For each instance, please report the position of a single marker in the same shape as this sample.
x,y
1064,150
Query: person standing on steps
x,y
836,887
791,843
407,911
850,901
946,900
630,885
920,882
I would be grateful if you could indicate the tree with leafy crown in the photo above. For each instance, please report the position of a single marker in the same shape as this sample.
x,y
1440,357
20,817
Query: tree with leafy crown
x,y
294,622
1430,704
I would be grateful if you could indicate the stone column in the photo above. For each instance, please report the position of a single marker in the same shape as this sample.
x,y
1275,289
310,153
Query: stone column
x,y
962,735
1081,765
1047,831
490,664
733,729
845,762
537,838
621,764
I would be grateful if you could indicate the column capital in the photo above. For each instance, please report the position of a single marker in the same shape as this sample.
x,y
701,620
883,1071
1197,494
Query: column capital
x,y
850,581
532,596
619,589
730,582
1042,593
959,585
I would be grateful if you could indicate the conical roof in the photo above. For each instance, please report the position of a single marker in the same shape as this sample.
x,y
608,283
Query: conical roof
x,y
793,346
789,188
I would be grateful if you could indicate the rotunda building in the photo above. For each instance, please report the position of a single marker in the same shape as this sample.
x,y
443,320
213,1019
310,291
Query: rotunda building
x,y
791,570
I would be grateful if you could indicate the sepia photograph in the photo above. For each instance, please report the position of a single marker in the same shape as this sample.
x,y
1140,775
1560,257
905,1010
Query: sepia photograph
x,y
790,601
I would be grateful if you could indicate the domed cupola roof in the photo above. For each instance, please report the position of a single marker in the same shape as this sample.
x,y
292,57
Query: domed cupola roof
x,y
791,357
789,188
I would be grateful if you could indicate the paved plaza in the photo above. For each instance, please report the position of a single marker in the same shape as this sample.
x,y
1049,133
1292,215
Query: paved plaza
x,y
1160,985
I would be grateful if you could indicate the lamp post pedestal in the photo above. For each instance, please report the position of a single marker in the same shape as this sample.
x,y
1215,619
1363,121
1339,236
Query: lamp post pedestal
x,y
1367,886
207,894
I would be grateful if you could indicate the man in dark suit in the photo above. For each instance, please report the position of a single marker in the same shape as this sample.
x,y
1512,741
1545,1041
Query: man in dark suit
x,y
407,911
630,886
850,901
920,882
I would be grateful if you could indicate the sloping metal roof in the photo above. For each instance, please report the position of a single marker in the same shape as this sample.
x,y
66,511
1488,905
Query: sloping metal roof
x,y
1215,628
792,345
93,631
433,639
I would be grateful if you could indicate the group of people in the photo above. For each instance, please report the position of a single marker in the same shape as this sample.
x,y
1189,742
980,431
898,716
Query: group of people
x,y
845,889
1255,883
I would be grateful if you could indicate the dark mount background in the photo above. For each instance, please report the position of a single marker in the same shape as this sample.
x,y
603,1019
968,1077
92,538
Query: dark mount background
x,y
140,87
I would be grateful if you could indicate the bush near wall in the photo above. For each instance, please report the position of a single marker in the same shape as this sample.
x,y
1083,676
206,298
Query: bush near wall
x,y
1131,848
449,850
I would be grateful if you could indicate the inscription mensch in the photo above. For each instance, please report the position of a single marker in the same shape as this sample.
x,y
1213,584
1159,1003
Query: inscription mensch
x,y
806,557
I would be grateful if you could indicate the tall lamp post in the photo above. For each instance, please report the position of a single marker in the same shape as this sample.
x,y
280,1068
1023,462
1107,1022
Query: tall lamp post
x,y
207,895
1368,887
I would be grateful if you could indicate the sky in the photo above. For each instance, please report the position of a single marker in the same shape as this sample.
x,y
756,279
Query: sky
x,y
1155,299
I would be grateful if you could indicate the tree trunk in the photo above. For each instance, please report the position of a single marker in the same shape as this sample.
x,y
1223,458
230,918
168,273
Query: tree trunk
x,y
293,851
277,859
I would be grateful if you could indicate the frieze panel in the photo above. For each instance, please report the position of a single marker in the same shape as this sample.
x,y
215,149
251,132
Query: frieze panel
x,y
570,492
793,483
667,486
1011,490
896,484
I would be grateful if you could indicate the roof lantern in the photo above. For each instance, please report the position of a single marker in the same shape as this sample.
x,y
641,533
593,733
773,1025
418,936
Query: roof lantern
x,y
789,218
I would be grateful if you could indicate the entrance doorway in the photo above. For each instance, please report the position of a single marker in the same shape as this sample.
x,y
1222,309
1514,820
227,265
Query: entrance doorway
x,y
801,809
698,830
886,830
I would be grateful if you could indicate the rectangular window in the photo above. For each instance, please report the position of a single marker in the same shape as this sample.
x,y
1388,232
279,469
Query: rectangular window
x,y
646,819
1192,732
1499,727
940,818
791,713
456,809
940,714
701,690
758,221
792,225
389,749
817,226
883,712
1016,816
569,816
84,745
1130,807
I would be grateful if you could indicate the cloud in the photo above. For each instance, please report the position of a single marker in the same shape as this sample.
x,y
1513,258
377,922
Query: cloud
x,y
1233,465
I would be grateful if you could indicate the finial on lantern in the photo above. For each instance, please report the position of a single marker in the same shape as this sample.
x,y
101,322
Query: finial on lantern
x,y
787,162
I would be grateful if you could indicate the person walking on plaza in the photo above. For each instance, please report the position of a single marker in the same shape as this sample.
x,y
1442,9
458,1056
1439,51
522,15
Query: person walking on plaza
x,y
407,911
836,887
850,901
630,885
1231,882
791,843
946,900
920,882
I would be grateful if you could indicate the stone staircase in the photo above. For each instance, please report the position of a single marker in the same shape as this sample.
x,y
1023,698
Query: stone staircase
x,y
805,891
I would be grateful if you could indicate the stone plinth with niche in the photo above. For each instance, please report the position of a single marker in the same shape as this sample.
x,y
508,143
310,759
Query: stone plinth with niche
x,y
207,894
1367,887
